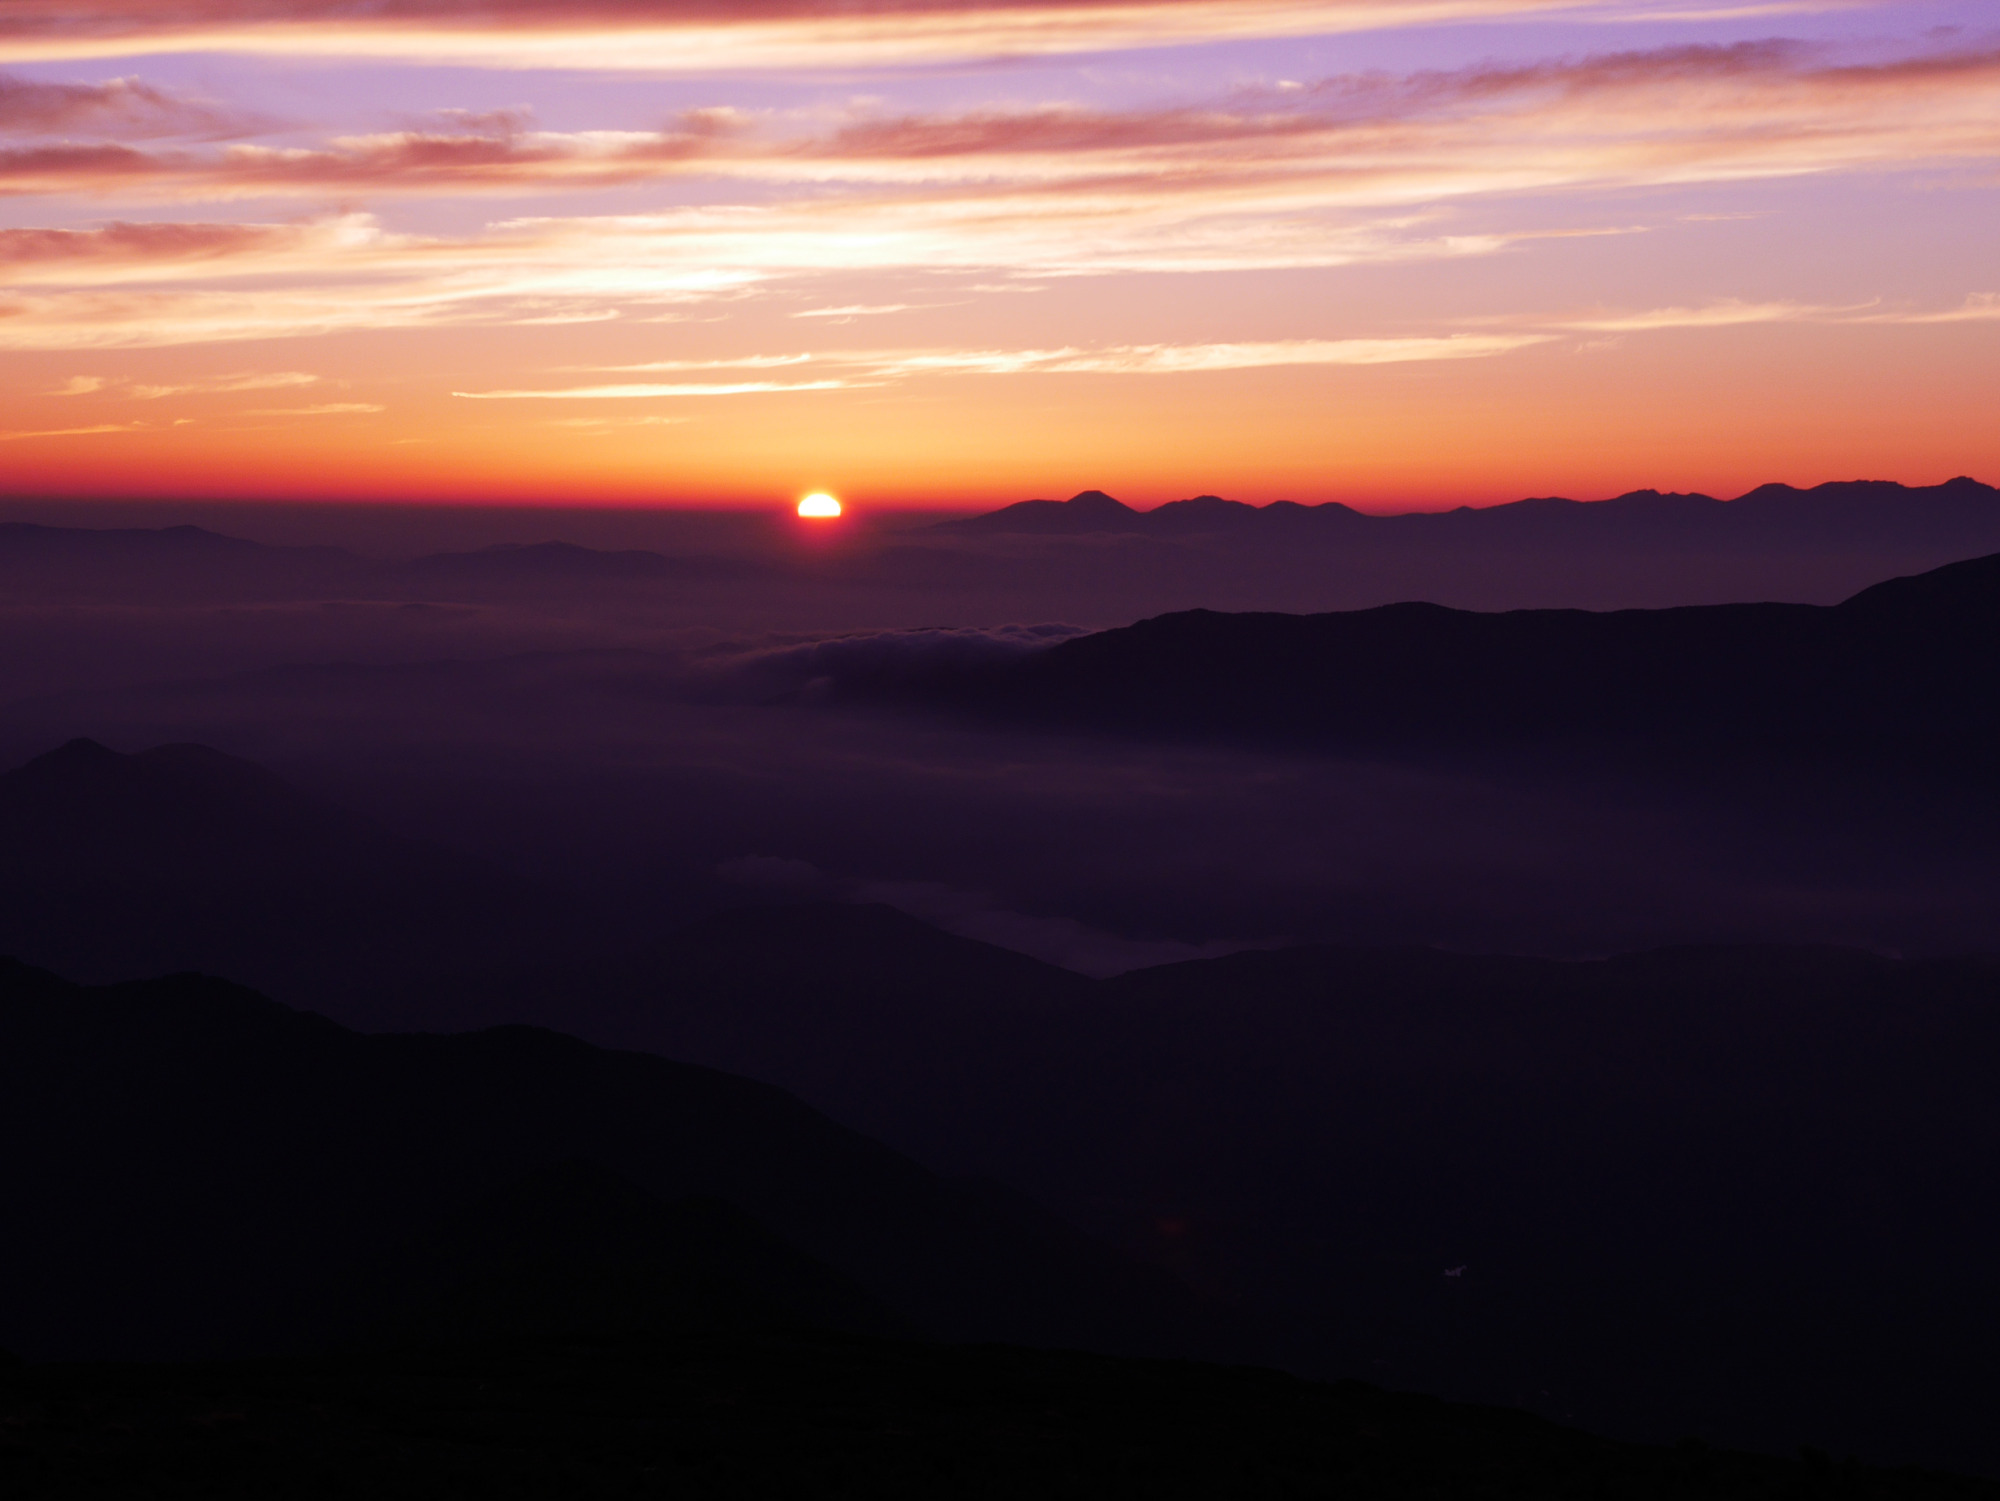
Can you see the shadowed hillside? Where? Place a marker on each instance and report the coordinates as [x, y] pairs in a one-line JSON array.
[[1898, 677], [115, 866], [1724, 1190], [209, 1172]]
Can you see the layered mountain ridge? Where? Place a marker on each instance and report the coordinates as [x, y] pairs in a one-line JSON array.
[[1899, 676], [1838, 508]]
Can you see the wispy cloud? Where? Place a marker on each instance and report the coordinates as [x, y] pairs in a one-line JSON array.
[[1980, 307], [647, 392], [1181, 359], [595, 424], [1734, 312], [253, 380], [321, 409], [74, 432], [1659, 116], [696, 36], [141, 252], [744, 362], [1356, 169], [497, 154], [1150, 359], [125, 108], [859, 310], [1727, 313], [221, 384]]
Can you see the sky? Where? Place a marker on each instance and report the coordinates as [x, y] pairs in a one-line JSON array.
[[1396, 253]]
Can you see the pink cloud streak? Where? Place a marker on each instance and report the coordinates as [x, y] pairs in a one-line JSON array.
[[1350, 169], [1666, 115], [701, 35], [121, 107]]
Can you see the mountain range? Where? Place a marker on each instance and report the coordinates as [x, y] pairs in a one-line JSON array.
[[1961, 512], [1612, 1192], [182, 561], [1720, 1191], [1775, 541], [1899, 676], [1729, 1189]]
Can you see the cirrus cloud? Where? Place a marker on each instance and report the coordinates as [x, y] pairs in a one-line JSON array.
[[1353, 169], [695, 36], [1642, 118], [1150, 359], [122, 107]]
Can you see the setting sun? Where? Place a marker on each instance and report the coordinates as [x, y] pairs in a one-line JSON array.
[[819, 505]]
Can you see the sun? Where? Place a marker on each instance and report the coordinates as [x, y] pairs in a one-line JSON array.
[[819, 504]]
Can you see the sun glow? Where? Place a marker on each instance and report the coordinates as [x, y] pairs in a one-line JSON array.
[[819, 505]]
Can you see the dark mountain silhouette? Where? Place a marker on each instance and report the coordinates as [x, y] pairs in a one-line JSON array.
[[572, 1250], [185, 562], [1960, 513], [115, 866], [1729, 1191], [1717, 1191], [193, 564], [207, 1171], [859, 1009], [24, 542], [1898, 676], [1084, 512], [566, 563], [1016, 564], [799, 1414]]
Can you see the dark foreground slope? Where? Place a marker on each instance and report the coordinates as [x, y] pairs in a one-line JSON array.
[[1901, 678], [809, 1415], [1740, 1192], [857, 1008], [194, 1169]]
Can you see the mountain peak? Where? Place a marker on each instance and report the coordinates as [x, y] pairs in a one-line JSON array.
[[92, 760], [78, 753], [1085, 511]]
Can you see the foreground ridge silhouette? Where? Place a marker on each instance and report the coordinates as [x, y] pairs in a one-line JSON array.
[[804, 1413], [206, 1172], [1732, 1192]]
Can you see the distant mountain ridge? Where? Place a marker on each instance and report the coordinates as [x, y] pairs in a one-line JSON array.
[[565, 562], [1840, 508], [1900, 676], [135, 562], [41, 559], [114, 866], [1090, 559]]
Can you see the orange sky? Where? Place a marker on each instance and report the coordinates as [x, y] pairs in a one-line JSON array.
[[1395, 254]]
